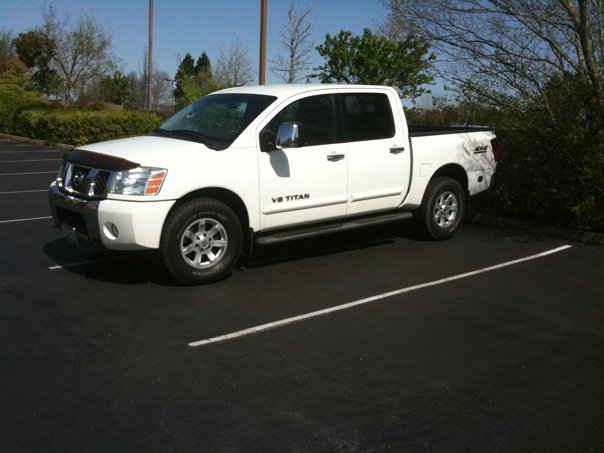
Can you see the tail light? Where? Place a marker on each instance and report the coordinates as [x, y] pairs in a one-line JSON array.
[[496, 151]]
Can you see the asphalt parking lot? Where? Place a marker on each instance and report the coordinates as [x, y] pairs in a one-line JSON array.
[[369, 341]]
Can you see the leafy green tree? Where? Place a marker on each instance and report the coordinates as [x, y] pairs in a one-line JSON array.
[[186, 69], [203, 67], [36, 50], [376, 60], [116, 88], [193, 80], [203, 77], [16, 91], [82, 53]]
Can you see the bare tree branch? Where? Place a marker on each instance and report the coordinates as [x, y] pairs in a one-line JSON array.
[[512, 46], [295, 39], [82, 54], [233, 68]]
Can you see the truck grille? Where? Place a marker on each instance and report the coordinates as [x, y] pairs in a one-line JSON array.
[[85, 181]]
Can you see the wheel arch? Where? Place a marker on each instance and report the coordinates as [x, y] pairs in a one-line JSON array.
[[456, 172], [228, 197]]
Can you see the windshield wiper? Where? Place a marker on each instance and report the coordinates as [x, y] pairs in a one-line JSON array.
[[210, 142], [197, 136], [161, 131]]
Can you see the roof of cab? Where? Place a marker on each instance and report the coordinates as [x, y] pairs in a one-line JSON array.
[[287, 90]]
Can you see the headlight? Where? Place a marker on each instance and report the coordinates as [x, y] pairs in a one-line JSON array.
[[138, 181]]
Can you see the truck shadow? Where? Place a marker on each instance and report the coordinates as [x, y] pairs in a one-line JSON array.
[[127, 268], [141, 268], [369, 237]]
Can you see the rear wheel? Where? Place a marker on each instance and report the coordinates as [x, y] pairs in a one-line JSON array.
[[201, 241], [442, 209]]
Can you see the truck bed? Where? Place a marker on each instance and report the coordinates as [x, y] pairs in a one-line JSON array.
[[422, 131]]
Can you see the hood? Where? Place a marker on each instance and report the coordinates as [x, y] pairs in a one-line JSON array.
[[149, 150]]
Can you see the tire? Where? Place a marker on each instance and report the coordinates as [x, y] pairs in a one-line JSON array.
[[201, 242], [442, 209]]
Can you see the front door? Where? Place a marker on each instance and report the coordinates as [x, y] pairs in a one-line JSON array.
[[308, 182]]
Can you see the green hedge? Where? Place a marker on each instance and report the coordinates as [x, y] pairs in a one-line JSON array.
[[13, 96], [78, 127], [555, 180]]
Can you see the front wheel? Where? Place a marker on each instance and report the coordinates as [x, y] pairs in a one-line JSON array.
[[442, 209], [201, 241]]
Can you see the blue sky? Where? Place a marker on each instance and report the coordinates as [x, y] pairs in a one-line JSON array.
[[194, 26]]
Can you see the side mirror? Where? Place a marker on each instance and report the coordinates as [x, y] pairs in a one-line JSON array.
[[288, 136]]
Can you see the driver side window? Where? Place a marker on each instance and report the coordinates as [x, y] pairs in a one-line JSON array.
[[314, 114]]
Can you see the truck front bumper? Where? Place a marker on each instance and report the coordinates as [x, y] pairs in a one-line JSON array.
[[113, 224]]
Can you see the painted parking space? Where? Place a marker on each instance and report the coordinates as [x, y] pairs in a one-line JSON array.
[[95, 345]]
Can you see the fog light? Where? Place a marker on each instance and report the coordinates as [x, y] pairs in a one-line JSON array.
[[111, 231]]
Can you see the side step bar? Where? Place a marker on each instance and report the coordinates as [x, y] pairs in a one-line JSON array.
[[319, 230]]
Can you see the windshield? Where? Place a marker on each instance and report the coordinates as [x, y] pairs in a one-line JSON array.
[[215, 120]]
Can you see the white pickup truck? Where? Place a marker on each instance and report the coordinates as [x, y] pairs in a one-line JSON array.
[[265, 164]]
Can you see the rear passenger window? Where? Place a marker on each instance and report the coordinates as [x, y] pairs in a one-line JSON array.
[[367, 116]]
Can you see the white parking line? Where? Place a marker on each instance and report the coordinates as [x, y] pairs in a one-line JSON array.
[[30, 173], [23, 191], [25, 220], [326, 311]]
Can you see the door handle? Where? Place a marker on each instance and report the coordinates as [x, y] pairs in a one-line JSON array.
[[397, 149], [333, 157]]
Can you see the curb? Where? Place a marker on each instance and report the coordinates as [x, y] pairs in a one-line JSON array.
[[505, 223], [16, 138]]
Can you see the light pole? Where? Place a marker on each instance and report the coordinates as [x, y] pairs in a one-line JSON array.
[[262, 68], [150, 58]]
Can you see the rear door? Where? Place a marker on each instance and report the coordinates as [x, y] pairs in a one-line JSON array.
[[378, 161]]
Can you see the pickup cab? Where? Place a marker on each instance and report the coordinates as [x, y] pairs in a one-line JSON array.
[[265, 164]]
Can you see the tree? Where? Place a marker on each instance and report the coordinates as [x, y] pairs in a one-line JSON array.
[[7, 46], [7, 50], [36, 50], [16, 91], [193, 80], [203, 82], [161, 88], [82, 53], [295, 39], [115, 88], [506, 51], [233, 68], [541, 64], [203, 68], [186, 69], [376, 60]]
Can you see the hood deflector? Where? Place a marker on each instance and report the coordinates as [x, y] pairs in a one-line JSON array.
[[98, 160]]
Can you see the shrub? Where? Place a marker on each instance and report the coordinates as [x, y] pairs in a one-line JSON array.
[[78, 127], [555, 181], [552, 172], [16, 92]]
